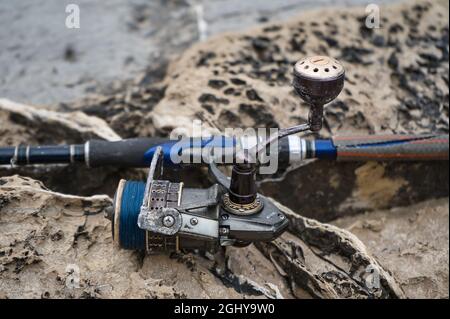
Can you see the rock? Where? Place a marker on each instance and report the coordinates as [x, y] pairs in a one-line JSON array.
[[60, 246], [262, 61], [327, 262], [399, 88], [251, 263], [31, 125], [217, 84], [411, 242], [355, 55], [210, 98], [128, 111], [53, 126], [83, 262], [328, 190]]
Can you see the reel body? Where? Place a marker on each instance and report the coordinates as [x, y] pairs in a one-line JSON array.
[[161, 216]]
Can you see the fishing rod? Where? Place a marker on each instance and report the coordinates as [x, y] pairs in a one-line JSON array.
[[291, 150], [163, 216]]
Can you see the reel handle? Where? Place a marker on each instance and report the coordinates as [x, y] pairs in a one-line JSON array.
[[318, 80]]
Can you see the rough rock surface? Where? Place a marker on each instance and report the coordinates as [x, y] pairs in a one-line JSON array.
[[397, 82], [418, 238], [24, 124], [54, 245], [397, 75], [18, 121]]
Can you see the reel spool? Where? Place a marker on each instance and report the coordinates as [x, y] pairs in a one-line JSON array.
[[126, 209], [126, 232]]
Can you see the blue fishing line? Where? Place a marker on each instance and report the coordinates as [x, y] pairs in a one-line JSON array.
[[386, 143], [130, 235]]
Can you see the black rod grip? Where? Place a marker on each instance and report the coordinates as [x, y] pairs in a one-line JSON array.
[[6, 154], [125, 153]]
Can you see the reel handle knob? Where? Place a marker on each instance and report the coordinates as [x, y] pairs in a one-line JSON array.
[[318, 80]]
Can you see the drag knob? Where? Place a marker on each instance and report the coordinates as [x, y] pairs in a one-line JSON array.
[[318, 80]]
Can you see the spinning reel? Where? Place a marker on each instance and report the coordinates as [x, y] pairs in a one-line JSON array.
[[161, 216]]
